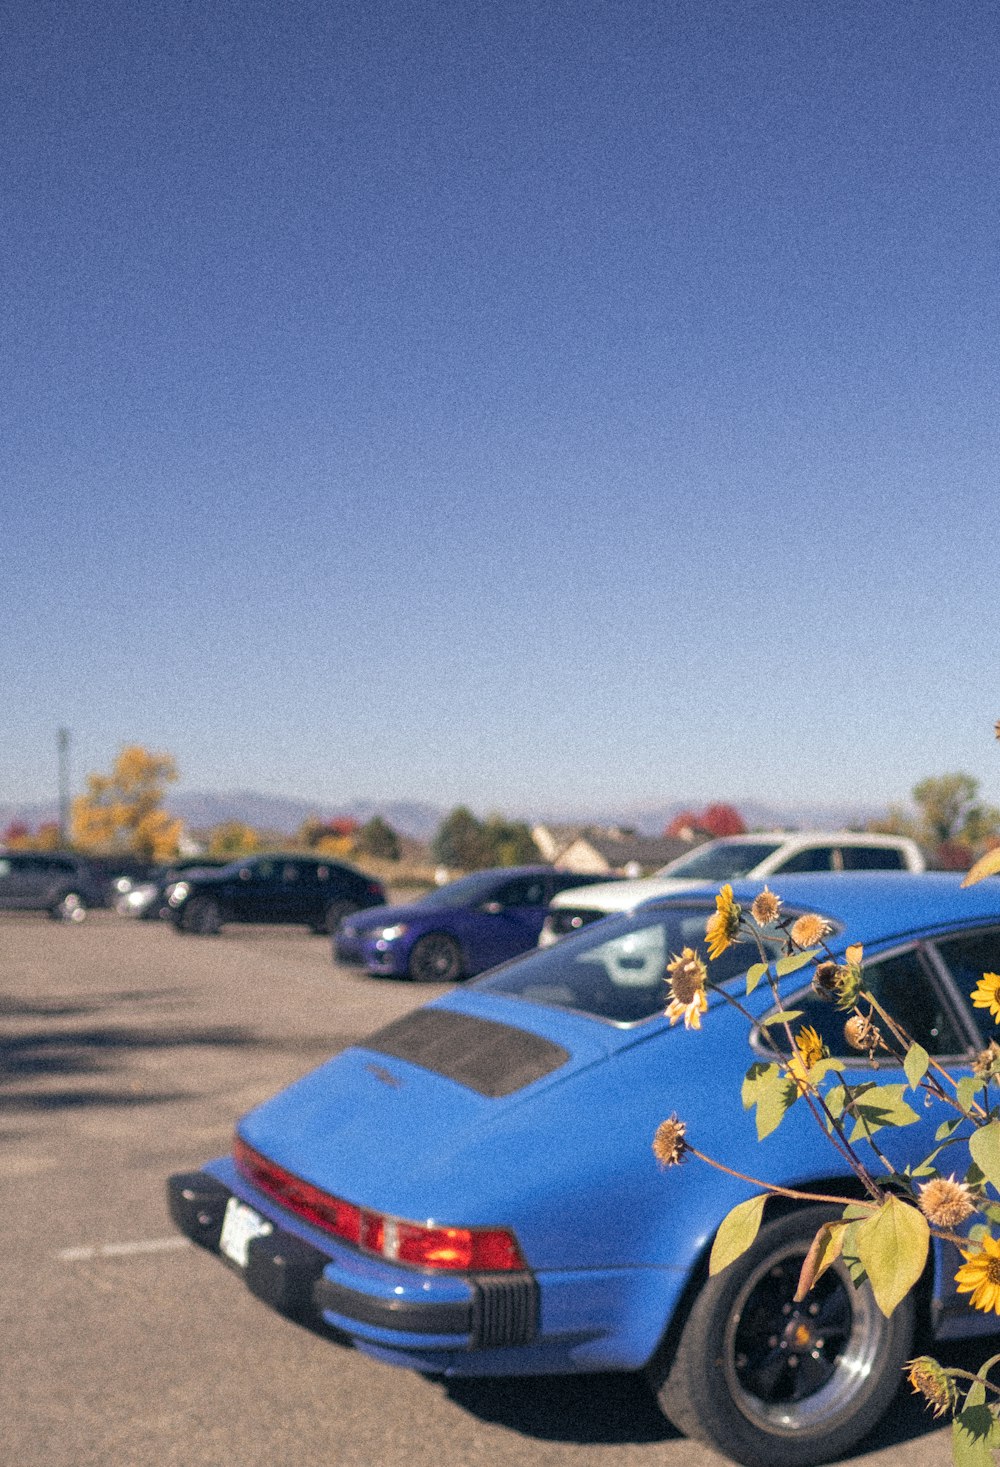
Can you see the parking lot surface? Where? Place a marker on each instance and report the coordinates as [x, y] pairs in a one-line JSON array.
[[126, 1053]]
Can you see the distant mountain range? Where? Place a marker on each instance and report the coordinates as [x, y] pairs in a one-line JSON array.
[[201, 809]]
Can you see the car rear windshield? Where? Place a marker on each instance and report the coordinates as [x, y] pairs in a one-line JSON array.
[[723, 862], [616, 969]]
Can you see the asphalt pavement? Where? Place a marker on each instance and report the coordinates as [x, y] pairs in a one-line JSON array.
[[126, 1053]]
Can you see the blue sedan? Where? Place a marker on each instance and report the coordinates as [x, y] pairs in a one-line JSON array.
[[471, 1191], [460, 928]]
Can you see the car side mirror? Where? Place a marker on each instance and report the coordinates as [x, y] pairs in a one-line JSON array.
[[493, 908]]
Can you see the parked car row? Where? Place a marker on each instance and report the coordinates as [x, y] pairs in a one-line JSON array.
[[472, 1190], [452, 933]]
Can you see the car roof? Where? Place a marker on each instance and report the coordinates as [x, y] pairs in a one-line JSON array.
[[871, 904]]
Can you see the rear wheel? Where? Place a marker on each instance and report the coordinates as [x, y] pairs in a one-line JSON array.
[[69, 908], [334, 915], [435, 958], [202, 916], [772, 1383]]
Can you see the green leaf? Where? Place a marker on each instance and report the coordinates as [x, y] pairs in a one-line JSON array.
[[892, 1245], [915, 1064], [781, 1016], [736, 1233], [759, 1074], [836, 1099], [878, 1106], [823, 1067], [965, 1091], [984, 1148], [987, 865], [795, 961], [947, 1128], [773, 1101], [823, 1250], [974, 1431], [755, 974]]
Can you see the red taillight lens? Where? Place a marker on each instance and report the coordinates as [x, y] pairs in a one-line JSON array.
[[327, 1212], [486, 1250], [466, 1249]]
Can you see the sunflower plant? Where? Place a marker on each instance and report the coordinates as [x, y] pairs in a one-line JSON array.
[[885, 1230]]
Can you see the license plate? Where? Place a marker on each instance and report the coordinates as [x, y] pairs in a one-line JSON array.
[[239, 1227]]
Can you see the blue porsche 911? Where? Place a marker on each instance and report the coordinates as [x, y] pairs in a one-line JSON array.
[[472, 1189]]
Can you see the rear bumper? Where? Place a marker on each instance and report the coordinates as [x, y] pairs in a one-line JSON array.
[[477, 1312]]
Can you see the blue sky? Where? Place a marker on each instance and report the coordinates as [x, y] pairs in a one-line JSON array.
[[549, 405]]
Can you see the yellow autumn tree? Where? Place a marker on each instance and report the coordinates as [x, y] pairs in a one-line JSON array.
[[122, 812], [233, 838]]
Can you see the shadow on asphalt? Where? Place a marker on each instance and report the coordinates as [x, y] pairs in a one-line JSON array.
[[52, 1066], [618, 1410]]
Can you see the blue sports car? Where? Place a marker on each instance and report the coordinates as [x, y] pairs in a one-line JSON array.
[[459, 929], [472, 1190]]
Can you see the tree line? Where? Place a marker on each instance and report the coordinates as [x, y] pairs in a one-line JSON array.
[[123, 813]]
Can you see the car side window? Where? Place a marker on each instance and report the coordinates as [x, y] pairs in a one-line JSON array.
[[906, 988], [814, 858], [967, 958], [5, 866], [263, 871], [870, 858], [526, 892]]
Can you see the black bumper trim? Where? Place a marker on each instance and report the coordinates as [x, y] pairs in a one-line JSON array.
[[197, 1204], [405, 1315], [286, 1272]]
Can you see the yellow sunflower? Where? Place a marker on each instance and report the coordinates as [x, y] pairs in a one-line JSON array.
[[724, 923], [980, 1275], [986, 995], [687, 989], [809, 1050]]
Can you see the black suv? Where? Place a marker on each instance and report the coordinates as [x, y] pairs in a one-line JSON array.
[[46, 881], [308, 889]]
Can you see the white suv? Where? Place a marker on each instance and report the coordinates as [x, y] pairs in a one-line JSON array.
[[724, 860]]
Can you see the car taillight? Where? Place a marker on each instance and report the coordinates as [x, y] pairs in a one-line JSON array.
[[376, 891], [472, 1250]]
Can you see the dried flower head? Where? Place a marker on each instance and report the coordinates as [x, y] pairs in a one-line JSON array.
[[766, 907], [979, 1275], [945, 1202], [825, 980], [669, 1146], [724, 923], [996, 728], [935, 1385], [986, 1065], [862, 1034], [687, 989], [986, 994], [807, 931]]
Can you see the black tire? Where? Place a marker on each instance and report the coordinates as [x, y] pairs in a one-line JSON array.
[[335, 914], [771, 1383], [202, 917], [436, 958], [69, 908]]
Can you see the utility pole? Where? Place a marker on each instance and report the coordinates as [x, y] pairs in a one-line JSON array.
[[62, 744]]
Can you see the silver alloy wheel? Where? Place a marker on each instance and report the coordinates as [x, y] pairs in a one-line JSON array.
[[435, 959], [793, 1367]]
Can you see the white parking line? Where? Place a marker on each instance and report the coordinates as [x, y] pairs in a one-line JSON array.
[[122, 1250]]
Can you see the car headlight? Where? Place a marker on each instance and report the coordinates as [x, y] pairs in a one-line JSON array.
[[389, 934], [177, 892]]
